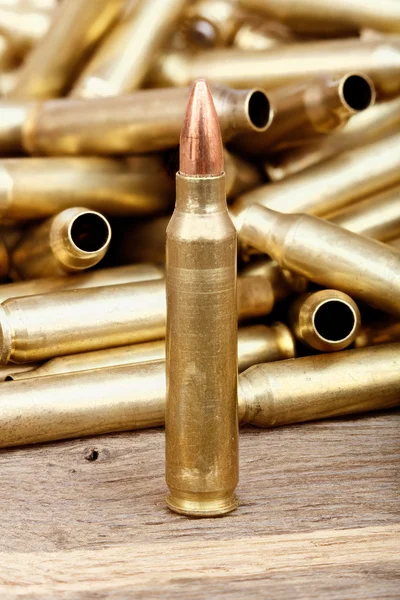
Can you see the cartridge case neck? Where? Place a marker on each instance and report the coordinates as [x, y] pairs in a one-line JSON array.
[[200, 195]]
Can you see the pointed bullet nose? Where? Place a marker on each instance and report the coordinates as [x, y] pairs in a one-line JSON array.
[[201, 151]]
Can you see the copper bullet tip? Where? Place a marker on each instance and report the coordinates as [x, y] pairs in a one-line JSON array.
[[201, 151]]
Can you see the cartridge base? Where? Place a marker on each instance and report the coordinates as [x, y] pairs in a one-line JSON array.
[[202, 505]]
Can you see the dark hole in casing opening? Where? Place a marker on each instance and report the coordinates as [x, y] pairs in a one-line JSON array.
[[334, 320], [89, 232], [357, 92], [259, 109]]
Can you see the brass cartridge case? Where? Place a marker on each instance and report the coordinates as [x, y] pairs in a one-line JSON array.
[[321, 386], [93, 279], [256, 343], [366, 269], [145, 121], [286, 64], [132, 396], [212, 23], [23, 27], [308, 110], [382, 331], [324, 189], [74, 240], [253, 35], [283, 282], [326, 320], [377, 216], [34, 188], [4, 260], [39, 327], [13, 115], [395, 243], [124, 58], [75, 29], [362, 129]]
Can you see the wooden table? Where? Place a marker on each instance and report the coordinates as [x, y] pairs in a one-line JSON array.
[[319, 518]]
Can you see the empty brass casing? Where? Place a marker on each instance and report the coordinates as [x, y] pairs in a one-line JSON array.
[[367, 269], [283, 282], [377, 216], [308, 110], [286, 64], [136, 123], [34, 188], [40, 327], [76, 28], [253, 35], [6, 54], [103, 277], [256, 343], [366, 127], [4, 259], [133, 396], [319, 15], [13, 116], [326, 320], [124, 58], [212, 23], [382, 331], [321, 386], [14, 371], [74, 240], [23, 27], [324, 189]]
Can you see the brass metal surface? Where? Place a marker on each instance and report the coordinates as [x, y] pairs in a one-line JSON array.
[[124, 58], [34, 188], [212, 23], [283, 282], [381, 331], [326, 320], [74, 240], [325, 253], [13, 115], [253, 35], [23, 26], [16, 370], [6, 53]]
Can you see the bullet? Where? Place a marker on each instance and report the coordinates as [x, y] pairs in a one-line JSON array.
[[308, 110], [286, 64], [23, 26], [124, 58], [92, 279], [39, 327], [284, 283], [130, 124], [366, 127], [75, 30], [365, 269], [201, 342], [35, 188], [381, 331], [325, 188], [377, 216], [212, 23], [72, 241], [256, 343], [253, 35], [326, 320], [132, 396]]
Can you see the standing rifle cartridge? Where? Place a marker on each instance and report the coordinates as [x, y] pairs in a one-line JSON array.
[[326, 320], [132, 396], [325, 188], [256, 343], [145, 121], [74, 240], [201, 343], [308, 110], [122, 61], [382, 331], [327, 254], [75, 30], [286, 64], [34, 188]]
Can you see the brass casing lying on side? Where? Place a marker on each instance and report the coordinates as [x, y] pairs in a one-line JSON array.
[[253, 35], [103, 277], [124, 58], [145, 121], [36, 328], [6, 53], [366, 127], [382, 331], [283, 282], [286, 64], [395, 243], [34, 188], [75, 29], [133, 396], [326, 320], [377, 217], [365, 269], [308, 110], [74, 240], [201, 423], [212, 23], [23, 27], [14, 114], [256, 343], [325, 188]]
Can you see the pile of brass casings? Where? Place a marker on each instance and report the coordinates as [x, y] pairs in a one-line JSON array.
[[93, 96]]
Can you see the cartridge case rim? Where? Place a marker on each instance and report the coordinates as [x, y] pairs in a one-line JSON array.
[[344, 341], [203, 508]]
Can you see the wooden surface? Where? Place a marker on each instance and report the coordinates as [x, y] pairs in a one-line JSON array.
[[319, 518]]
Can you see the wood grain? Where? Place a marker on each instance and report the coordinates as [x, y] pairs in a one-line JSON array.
[[319, 518]]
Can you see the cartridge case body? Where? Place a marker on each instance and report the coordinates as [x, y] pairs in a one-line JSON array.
[[381, 331], [326, 320], [122, 61], [41, 187], [366, 269], [201, 411], [14, 114], [212, 23], [75, 30], [283, 282], [23, 27]]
